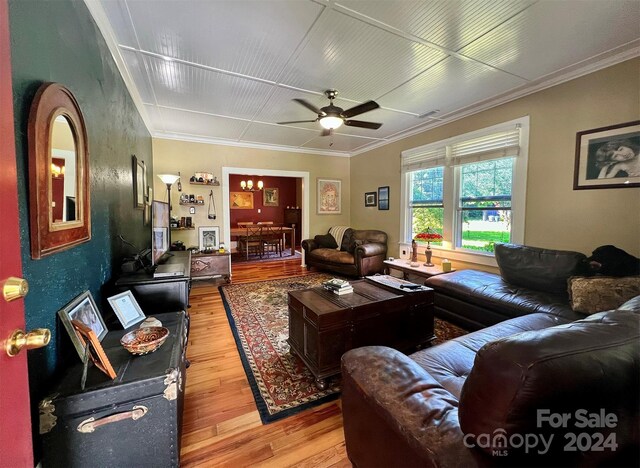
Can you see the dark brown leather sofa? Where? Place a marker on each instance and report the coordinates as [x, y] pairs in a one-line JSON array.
[[366, 258], [531, 280], [475, 400]]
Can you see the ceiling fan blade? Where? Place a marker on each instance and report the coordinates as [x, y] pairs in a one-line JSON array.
[[326, 132], [308, 105], [295, 121], [360, 109], [362, 124]]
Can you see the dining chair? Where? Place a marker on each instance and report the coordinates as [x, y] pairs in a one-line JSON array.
[[272, 239], [251, 241]]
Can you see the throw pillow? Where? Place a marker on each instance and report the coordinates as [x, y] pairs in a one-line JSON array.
[[355, 243], [346, 240], [600, 293], [540, 269], [325, 241]]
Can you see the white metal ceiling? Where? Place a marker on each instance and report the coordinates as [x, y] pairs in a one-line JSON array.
[[227, 71]]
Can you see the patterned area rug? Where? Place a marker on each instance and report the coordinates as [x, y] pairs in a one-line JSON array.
[[258, 316]]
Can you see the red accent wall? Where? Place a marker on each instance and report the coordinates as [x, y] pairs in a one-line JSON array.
[[287, 186]]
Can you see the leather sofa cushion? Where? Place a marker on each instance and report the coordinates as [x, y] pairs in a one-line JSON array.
[[450, 362], [369, 236], [539, 269], [332, 256], [492, 292], [588, 364], [600, 293]]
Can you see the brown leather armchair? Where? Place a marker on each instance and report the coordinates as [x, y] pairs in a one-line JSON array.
[[362, 255], [467, 401]]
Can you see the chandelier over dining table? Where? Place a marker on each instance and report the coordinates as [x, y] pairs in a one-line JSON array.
[[249, 187]]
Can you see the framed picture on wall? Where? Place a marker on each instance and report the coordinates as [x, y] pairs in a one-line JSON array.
[[383, 198], [370, 199], [329, 196], [241, 200], [139, 183], [271, 197], [608, 157]]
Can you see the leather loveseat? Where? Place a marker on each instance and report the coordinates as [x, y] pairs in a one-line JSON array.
[[496, 396], [531, 280], [362, 253]]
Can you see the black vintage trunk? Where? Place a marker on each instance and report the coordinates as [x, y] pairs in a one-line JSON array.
[[149, 386]]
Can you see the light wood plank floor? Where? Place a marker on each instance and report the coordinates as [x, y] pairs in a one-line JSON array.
[[221, 423]]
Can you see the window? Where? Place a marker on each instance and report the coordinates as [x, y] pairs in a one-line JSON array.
[[469, 188]]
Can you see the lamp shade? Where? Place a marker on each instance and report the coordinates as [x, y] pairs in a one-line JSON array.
[[331, 122], [168, 179]]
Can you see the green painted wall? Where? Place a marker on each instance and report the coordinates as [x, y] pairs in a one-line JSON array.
[[58, 41]]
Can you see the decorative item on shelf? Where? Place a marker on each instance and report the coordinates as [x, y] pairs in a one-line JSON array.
[[248, 185], [174, 223], [414, 253], [429, 237], [189, 222], [204, 178], [200, 200], [192, 198], [178, 245], [184, 198], [221, 248], [446, 265], [144, 340]]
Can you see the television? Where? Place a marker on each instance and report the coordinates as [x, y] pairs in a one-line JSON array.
[[159, 231]]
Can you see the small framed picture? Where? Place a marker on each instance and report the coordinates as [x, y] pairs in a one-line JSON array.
[[192, 210], [329, 196], [83, 309], [383, 198], [608, 157], [271, 197], [126, 308], [89, 340], [139, 183], [370, 199], [209, 238]]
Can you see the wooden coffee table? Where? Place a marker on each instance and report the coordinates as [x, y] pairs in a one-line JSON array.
[[407, 270], [323, 325]]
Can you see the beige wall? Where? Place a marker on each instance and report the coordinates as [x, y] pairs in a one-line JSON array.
[[171, 156], [556, 215]]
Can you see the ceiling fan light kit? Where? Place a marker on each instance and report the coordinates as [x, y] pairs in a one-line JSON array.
[[332, 117]]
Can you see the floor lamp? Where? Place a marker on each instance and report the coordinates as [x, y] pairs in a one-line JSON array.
[[169, 180]]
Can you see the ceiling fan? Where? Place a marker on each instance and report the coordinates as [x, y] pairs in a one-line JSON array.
[[332, 117]]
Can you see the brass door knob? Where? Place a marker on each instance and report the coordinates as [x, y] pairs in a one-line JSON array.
[[37, 338], [14, 288]]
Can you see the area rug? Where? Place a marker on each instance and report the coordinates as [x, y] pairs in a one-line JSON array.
[[237, 257], [280, 382]]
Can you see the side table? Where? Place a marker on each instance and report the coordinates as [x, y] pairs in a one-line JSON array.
[[211, 265], [407, 270]]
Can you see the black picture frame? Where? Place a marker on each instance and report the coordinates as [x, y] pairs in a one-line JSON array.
[[139, 173], [383, 198], [608, 157], [370, 199]]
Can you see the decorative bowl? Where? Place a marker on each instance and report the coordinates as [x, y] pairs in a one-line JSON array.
[[144, 340]]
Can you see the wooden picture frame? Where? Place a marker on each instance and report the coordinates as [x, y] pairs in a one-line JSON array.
[[271, 197], [241, 200], [97, 355], [139, 171], [126, 309], [370, 199], [608, 157], [383, 198], [208, 238], [329, 196], [83, 309]]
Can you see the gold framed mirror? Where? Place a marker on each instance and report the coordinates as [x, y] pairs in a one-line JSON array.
[[59, 211]]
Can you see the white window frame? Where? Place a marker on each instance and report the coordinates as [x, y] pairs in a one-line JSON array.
[[451, 196]]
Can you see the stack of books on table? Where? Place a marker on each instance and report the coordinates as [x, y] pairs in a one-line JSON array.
[[338, 286]]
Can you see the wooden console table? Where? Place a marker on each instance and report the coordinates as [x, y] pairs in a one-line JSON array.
[[211, 265], [323, 325]]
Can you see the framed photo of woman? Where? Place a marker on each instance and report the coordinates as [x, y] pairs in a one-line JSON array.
[[608, 157], [83, 309]]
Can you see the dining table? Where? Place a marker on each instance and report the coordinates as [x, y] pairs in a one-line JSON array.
[[242, 231]]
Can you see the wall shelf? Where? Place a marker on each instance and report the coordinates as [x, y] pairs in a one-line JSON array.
[[183, 228], [192, 204], [210, 184]]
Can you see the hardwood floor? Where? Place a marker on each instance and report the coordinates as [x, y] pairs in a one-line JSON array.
[[221, 423]]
